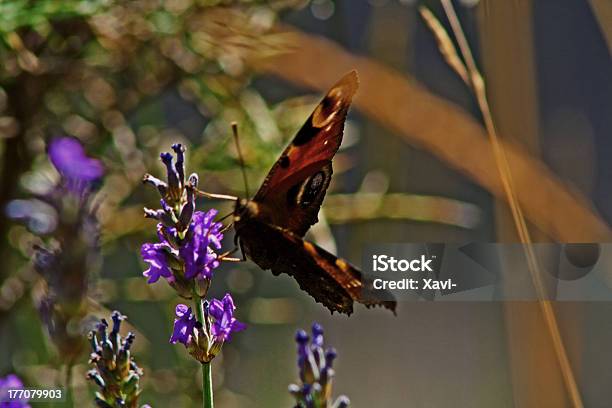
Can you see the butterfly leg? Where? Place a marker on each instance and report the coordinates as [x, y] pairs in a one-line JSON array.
[[226, 228], [244, 258], [226, 256], [230, 259], [225, 216]]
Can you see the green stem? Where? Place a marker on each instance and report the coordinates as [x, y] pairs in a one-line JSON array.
[[68, 385], [207, 389], [207, 392]]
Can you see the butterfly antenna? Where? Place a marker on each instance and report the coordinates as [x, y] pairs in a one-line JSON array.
[[237, 141], [214, 196]]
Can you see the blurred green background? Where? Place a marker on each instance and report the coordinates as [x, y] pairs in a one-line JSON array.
[[129, 78]]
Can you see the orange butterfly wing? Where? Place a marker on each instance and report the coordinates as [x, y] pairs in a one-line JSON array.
[[294, 188], [330, 280]]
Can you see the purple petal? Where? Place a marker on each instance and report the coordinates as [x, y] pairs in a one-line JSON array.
[[11, 382], [228, 302], [182, 310], [155, 255], [184, 325], [68, 157], [238, 326], [216, 309]]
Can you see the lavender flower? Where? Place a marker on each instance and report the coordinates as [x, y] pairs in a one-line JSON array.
[[315, 366], [65, 219], [77, 170], [188, 239], [115, 372], [204, 340], [11, 382]]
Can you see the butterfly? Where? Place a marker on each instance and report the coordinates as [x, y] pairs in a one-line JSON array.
[[270, 227]]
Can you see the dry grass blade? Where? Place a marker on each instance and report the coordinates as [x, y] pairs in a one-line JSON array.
[[603, 13], [445, 44], [501, 160]]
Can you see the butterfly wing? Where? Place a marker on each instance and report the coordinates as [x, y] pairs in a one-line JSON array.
[[331, 281], [294, 188]]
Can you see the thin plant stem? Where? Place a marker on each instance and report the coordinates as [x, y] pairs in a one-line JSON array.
[[207, 393], [68, 385], [67, 381], [478, 86], [207, 389]]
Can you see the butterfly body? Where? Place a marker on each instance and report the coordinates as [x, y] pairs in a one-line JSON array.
[[271, 226]]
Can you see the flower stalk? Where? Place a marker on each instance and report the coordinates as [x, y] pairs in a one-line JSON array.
[[207, 387], [207, 393], [207, 390]]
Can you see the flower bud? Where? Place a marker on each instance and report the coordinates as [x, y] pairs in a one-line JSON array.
[[159, 215], [123, 357], [341, 402], [104, 343], [174, 186], [187, 210], [193, 180], [161, 186], [180, 162], [295, 390], [101, 403], [130, 386], [114, 334], [95, 377]]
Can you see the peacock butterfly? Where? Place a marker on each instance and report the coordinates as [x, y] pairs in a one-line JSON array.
[[270, 226]]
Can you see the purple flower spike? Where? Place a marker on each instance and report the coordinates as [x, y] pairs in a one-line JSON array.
[[315, 371], [11, 382], [199, 257], [330, 356], [68, 157], [155, 255], [225, 323], [114, 370], [183, 325]]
